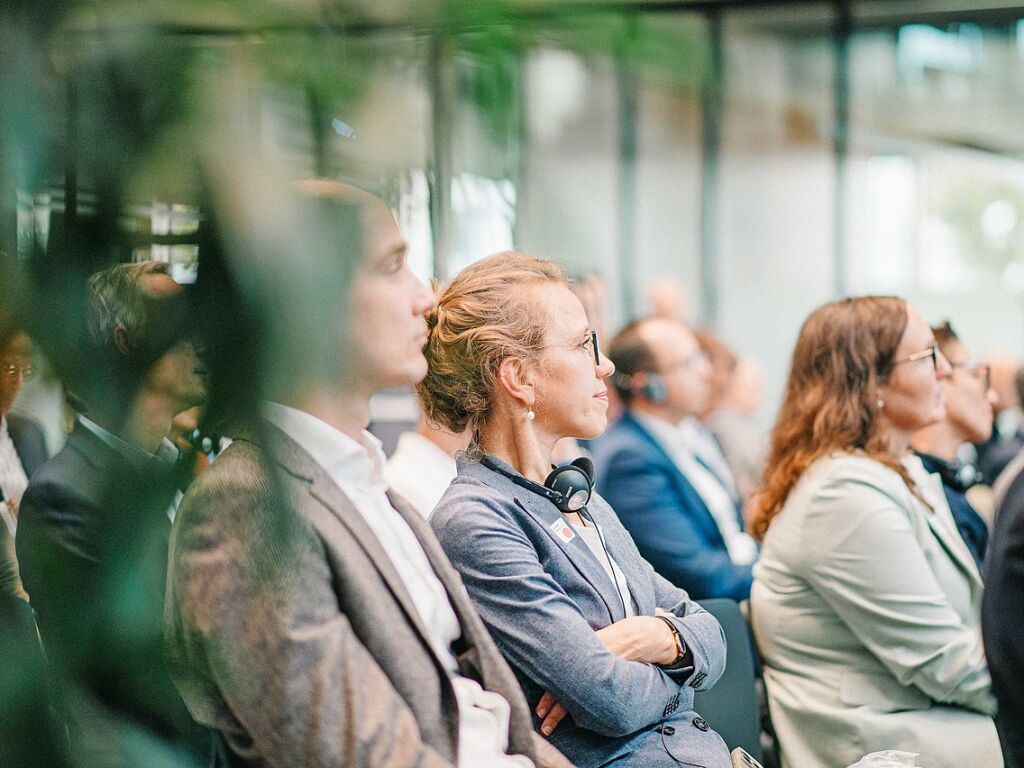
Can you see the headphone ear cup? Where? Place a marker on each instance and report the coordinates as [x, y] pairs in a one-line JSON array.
[[572, 484], [654, 388]]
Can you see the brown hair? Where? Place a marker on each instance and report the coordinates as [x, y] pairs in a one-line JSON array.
[[483, 315], [845, 349], [945, 337]]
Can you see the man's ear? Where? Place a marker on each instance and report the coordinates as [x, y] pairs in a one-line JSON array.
[[122, 341], [516, 378]]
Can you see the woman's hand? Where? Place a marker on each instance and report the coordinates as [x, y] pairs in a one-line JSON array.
[[640, 638], [552, 713]]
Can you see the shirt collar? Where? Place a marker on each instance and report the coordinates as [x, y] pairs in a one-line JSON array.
[[165, 455], [359, 463], [666, 433]]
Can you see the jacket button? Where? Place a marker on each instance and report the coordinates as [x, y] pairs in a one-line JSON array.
[[700, 724], [666, 730]]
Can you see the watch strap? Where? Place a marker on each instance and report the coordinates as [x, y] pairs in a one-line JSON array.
[[680, 645]]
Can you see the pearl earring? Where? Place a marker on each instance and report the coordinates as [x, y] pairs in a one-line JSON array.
[[530, 414], [881, 403]]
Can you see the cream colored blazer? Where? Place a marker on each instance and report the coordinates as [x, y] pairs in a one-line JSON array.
[[866, 608]]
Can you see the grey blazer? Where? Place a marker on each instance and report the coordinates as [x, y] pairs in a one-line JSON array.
[[866, 608], [290, 632], [543, 598]]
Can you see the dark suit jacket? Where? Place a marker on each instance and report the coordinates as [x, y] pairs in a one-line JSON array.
[[1003, 621], [92, 546], [29, 442], [664, 514], [291, 632]]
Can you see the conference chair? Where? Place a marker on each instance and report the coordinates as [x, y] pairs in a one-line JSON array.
[[731, 706]]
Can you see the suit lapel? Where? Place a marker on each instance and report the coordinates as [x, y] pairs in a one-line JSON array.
[[548, 517], [625, 555], [298, 463], [442, 567], [942, 525], [707, 521]]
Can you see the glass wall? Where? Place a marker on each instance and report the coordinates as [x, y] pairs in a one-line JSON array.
[[753, 162]]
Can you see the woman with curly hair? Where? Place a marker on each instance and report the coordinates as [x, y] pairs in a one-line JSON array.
[[866, 603]]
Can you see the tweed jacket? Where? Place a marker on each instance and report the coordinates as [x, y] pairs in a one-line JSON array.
[[291, 633], [544, 594], [866, 608]]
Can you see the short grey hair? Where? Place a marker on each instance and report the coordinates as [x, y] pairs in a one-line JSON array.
[[116, 298]]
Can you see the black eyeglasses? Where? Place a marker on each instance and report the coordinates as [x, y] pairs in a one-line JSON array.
[[981, 371], [592, 341], [932, 352]]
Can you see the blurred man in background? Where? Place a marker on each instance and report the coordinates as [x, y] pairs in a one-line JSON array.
[[684, 519], [1007, 439], [969, 409], [22, 449], [94, 522]]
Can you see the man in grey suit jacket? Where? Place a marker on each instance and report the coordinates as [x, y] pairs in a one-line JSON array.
[[313, 619]]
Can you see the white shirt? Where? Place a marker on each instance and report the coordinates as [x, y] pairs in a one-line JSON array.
[[13, 480], [705, 445], [741, 547], [358, 470], [419, 472], [589, 534]]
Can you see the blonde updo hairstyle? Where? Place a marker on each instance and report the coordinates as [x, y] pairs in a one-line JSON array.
[[485, 314]]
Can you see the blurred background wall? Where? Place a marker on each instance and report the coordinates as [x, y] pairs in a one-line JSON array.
[[753, 159]]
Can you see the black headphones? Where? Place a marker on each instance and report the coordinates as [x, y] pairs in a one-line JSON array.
[[646, 384], [960, 477], [568, 487]]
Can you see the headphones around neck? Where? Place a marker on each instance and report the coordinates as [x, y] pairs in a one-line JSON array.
[[567, 487], [647, 384], [960, 477]]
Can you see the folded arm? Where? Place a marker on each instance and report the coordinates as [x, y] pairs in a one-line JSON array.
[[542, 631]]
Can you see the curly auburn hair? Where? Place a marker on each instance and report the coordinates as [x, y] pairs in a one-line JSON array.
[[845, 349], [483, 315]]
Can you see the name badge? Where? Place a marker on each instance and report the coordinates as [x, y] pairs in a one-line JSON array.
[[563, 530]]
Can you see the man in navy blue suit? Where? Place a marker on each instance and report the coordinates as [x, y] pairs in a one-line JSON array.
[[682, 516]]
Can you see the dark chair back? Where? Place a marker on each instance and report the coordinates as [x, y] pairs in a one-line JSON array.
[[731, 707]]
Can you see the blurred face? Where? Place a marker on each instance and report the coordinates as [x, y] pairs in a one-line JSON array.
[[572, 397], [682, 365], [15, 362], [388, 327], [969, 396], [913, 395], [177, 374]]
